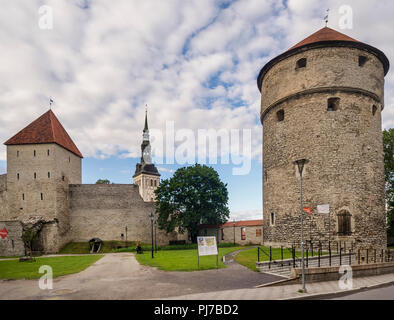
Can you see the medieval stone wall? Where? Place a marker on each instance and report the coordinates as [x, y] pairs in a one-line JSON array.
[[38, 176], [12, 245], [3, 197], [103, 211], [344, 147], [325, 68]]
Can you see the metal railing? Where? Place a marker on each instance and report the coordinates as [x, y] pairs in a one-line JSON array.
[[344, 251]]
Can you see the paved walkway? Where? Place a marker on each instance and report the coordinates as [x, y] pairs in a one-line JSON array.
[[120, 276], [318, 290]]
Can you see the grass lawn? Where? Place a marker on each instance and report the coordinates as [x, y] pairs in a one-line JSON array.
[[13, 269], [182, 260], [248, 258]]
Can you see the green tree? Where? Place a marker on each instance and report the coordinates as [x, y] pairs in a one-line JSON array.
[[101, 181], [192, 196], [388, 148]]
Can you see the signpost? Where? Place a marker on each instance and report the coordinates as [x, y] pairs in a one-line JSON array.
[[325, 209], [207, 247]]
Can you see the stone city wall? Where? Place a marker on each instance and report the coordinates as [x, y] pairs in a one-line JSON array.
[[103, 211]]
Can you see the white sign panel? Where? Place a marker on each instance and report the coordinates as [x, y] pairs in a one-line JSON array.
[[207, 246], [323, 208]]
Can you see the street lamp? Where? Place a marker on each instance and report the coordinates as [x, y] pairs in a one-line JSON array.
[[155, 236], [152, 217], [126, 237], [300, 163], [234, 230]]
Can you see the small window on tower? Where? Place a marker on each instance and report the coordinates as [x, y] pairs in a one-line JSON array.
[[155, 183], [280, 115], [63, 178], [301, 63], [151, 182], [17, 153], [49, 175], [333, 104], [17, 176], [69, 159], [362, 60], [272, 218], [35, 175], [42, 196], [34, 152], [48, 152], [23, 196], [374, 109]]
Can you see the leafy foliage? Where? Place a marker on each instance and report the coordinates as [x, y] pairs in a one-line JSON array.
[[388, 147], [103, 181], [192, 196]]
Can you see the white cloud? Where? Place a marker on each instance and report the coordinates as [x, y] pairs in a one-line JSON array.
[[189, 60], [246, 215]]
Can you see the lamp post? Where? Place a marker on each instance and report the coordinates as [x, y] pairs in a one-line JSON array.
[[126, 237], [300, 163], [234, 230], [152, 217], [155, 236]]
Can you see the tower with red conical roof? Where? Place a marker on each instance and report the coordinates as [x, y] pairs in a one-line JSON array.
[[42, 161], [322, 100]]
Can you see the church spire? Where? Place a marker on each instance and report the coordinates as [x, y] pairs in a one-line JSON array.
[[146, 119], [145, 134]]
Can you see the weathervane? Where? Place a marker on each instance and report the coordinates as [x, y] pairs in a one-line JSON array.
[[50, 103], [326, 17]]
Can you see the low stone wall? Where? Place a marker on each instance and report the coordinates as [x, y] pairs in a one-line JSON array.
[[332, 273], [12, 244]]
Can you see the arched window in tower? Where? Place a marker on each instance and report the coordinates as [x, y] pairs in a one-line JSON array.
[[155, 183], [374, 109], [280, 115], [344, 223], [362, 60], [333, 104], [151, 182], [301, 63]]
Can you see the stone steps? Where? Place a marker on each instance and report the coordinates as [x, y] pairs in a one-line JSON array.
[[284, 268]]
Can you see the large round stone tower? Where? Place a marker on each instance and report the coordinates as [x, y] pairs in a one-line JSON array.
[[322, 101]]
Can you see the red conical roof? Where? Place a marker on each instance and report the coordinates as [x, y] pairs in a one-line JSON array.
[[324, 34], [325, 37], [46, 129]]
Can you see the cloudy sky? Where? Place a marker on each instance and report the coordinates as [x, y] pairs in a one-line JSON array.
[[193, 62]]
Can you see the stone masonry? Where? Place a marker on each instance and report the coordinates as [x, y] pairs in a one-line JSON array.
[[344, 146], [42, 189]]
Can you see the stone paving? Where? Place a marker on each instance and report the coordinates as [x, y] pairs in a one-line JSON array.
[[314, 290]]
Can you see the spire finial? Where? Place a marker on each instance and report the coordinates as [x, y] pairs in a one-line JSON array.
[[50, 103], [326, 17]]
